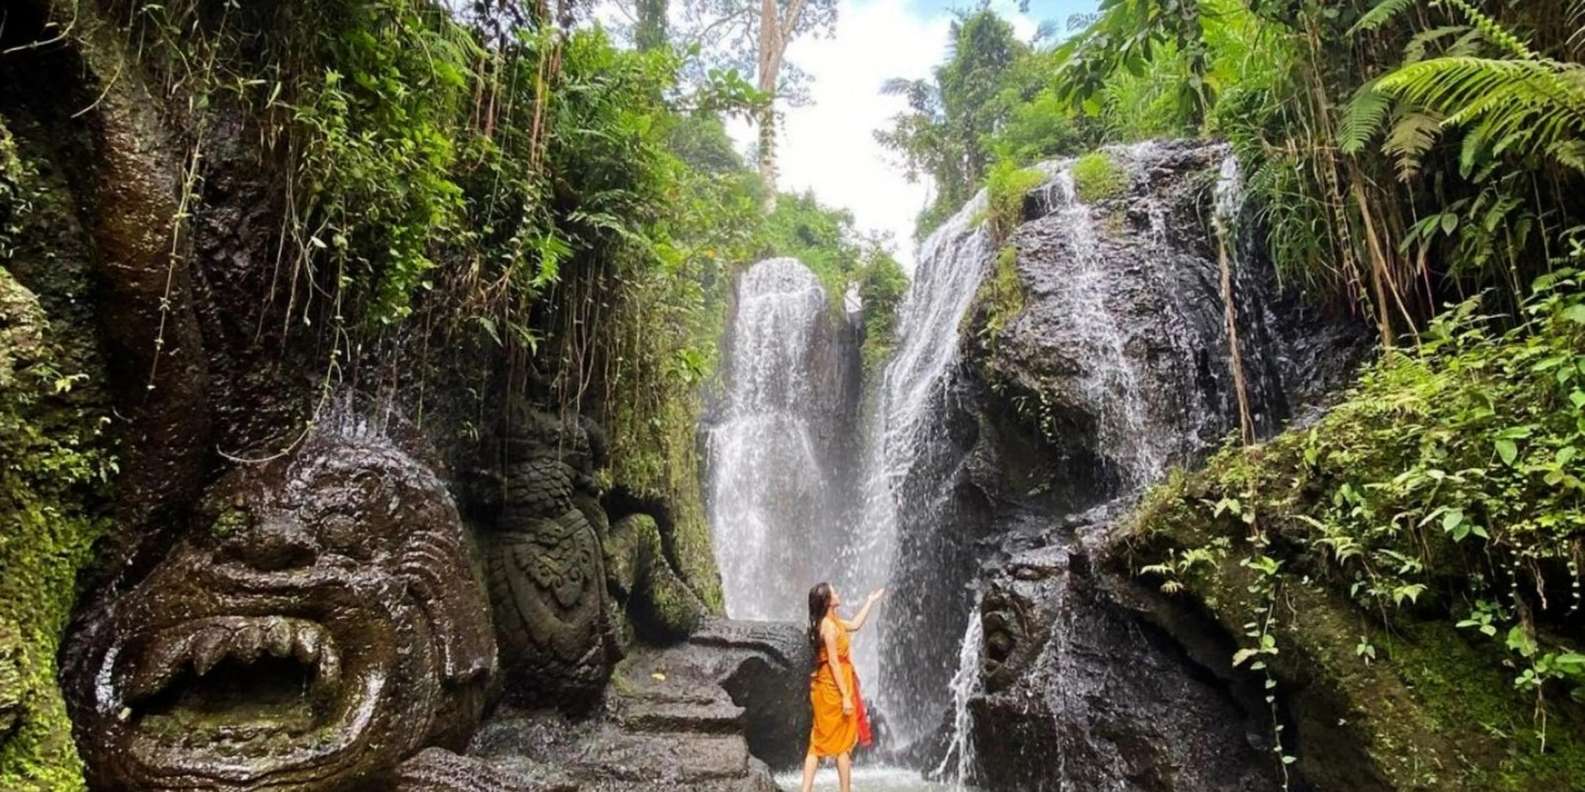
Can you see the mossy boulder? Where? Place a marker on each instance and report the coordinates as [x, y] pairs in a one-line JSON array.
[[1402, 569], [660, 607], [54, 460]]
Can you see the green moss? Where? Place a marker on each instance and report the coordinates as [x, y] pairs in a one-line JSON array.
[[53, 465], [1096, 177], [1003, 292], [1442, 482], [1005, 188], [1463, 691], [229, 522]]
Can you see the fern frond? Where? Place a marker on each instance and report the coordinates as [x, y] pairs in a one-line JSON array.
[[1494, 31], [1411, 137], [1512, 106], [1570, 153], [1415, 50], [1380, 14], [1468, 88], [1576, 18], [1365, 114]]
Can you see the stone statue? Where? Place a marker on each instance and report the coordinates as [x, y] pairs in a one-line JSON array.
[[535, 501], [317, 623]]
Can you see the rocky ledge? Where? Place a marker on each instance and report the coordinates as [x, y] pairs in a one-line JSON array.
[[706, 714]]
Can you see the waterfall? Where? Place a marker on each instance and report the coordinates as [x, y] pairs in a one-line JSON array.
[[905, 442], [774, 454], [1111, 379], [1118, 330], [965, 684]]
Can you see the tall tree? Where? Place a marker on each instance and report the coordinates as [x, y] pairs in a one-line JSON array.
[[650, 29], [755, 33], [945, 131]]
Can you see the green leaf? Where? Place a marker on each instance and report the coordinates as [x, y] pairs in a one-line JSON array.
[[1575, 313], [1507, 450], [1519, 641]]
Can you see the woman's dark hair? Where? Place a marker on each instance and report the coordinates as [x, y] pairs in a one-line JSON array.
[[819, 603]]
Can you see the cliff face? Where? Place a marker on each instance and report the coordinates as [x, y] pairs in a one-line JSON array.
[[1110, 367], [1376, 594], [272, 441]]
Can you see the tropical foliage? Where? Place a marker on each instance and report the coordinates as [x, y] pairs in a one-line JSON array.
[[1402, 154], [1443, 495]]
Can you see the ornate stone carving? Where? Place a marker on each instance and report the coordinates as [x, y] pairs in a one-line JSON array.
[[542, 558], [317, 623]]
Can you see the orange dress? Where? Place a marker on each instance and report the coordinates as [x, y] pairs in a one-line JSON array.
[[834, 733]]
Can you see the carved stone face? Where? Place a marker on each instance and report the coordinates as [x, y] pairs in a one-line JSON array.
[[1016, 612], [318, 623]]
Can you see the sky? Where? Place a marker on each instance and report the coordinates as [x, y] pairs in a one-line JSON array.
[[828, 145]]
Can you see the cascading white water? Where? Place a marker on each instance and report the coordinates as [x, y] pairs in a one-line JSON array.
[[785, 516], [1229, 190], [770, 493], [1111, 380], [902, 430], [966, 683]]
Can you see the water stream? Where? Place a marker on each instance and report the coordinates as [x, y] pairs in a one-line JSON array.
[[772, 498], [787, 513]]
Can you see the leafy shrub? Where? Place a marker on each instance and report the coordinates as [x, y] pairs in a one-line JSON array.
[[1005, 189], [882, 285], [1447, 484], [1096, 177]]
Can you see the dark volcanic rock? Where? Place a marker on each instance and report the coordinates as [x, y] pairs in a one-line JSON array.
[[765, 667], [1119, 358], [1112, 368], [669, 721], [1077, 666]]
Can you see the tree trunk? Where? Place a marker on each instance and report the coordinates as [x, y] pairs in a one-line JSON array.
[[771, 45], [651, 30], [1235, 356]]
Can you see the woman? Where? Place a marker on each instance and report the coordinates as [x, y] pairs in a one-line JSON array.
[[839, 717]]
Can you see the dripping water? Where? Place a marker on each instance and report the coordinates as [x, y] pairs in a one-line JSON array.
[[958, 761]]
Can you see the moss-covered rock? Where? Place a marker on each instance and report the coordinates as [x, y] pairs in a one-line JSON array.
[[660, 606], [1096, 177], [1403, 569], [53, 462]]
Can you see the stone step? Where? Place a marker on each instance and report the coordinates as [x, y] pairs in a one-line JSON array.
[[679, 759], [649, 715]]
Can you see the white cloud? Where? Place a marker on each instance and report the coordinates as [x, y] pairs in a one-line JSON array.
[[828, 146]]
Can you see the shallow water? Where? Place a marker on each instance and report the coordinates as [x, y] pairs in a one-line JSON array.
[[870, 779]]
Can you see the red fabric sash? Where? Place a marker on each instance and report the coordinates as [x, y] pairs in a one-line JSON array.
[[865, 737]]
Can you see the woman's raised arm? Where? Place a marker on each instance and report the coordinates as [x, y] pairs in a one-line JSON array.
[[864, 612]]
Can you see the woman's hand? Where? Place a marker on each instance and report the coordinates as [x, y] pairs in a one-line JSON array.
[[864, 612], [847, 705]]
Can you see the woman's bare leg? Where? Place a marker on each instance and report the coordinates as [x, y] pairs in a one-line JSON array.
[[810, 763], [845, 771]]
